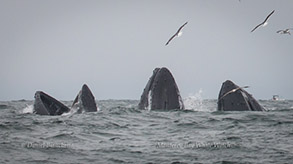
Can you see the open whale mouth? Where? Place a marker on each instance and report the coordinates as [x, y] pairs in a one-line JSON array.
[[47, 105]]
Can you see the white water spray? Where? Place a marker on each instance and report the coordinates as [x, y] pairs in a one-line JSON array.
[[194, 101]]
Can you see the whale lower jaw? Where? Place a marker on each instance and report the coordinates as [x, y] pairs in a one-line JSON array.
[[47, 105]]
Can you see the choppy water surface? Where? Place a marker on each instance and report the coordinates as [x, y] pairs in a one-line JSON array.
[[120, 133]]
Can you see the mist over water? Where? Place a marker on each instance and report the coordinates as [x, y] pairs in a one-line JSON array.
[[120, 133]]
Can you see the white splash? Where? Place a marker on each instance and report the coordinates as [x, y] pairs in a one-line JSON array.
[[67, 113], [73, 110], [194, 101], [28, 109]]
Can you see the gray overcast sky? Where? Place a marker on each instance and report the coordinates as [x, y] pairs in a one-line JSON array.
[[113, 46]]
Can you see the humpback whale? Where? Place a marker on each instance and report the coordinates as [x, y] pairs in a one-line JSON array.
[[161, 92], [85, 101], [235, 98], [47, 105]]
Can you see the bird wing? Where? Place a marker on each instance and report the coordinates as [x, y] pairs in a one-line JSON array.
[[269, 16], [227, 94], [181, 27], [279, 31], [256, 27], [233, 90], [170, 39]]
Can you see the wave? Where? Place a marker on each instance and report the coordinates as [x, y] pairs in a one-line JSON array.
[[3, 106]]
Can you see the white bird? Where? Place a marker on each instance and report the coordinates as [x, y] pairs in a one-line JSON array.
[[286, 31], [233, 90], [264, 23], [178, 33]]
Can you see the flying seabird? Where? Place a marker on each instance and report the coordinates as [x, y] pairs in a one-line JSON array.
[[233, 90], [265, 22], [178, 33], [286, 31]]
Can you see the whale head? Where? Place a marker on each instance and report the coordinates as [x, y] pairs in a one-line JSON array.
[[237, 99], [161, 92]]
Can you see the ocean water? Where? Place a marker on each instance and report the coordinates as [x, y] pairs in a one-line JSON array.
[[120, 133]]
